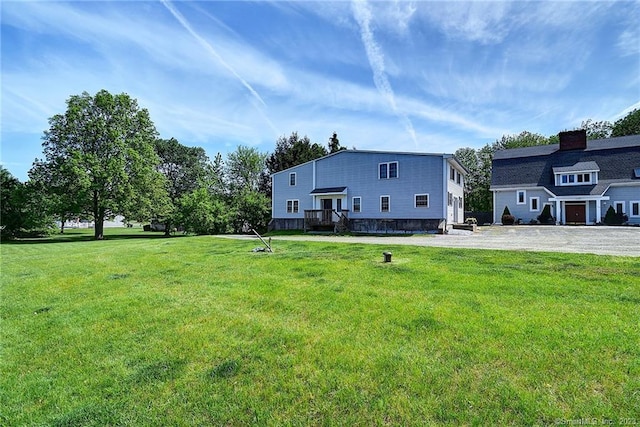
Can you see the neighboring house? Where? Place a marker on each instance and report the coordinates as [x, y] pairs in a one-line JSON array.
[[579, 179], [370, 191]]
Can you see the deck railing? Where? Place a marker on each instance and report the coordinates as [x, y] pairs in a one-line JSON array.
[[323, 218]]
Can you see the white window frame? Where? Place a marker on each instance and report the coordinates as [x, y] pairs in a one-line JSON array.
[[615, 206], [388, 203], [415, 201], [631, 203], [353, 204], [572, 178], [537, 200], [387, 169], [449, 199], [524, 197], [293, 175], [295, 206]]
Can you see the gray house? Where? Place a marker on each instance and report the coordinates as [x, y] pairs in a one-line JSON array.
[[579, 179], [370, 191]]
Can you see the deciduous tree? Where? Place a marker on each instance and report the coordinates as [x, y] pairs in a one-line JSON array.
[[628, 125], [104, 144], [184, 168]]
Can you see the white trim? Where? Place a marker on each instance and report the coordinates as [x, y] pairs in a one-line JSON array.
[[388, 203], [295, 179], [387, 166], [353, 209], [631, 203], [524, 197], [531, 199], [295, 206], [621, 202], [415, 202]]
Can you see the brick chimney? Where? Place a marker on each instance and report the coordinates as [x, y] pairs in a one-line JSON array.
[[573, 140]]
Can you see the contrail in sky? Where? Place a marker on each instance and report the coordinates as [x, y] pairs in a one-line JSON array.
[[210, 49], [362, 13]]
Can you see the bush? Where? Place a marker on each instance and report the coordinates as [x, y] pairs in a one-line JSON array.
[[507, 218], [545, 217], [614, 218]]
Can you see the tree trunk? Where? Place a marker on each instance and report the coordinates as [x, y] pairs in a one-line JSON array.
[[167, 228], [62, 224], [98, 218]]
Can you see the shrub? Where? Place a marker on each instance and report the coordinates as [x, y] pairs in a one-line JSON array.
[[614, 218], [507, 218], [545, 217]]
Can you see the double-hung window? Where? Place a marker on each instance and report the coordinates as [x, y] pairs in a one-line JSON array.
[[292, 206], [635, 208], [385, 203], [357, 204], [521, 197], [534, 204], [388, 170], [421, 200]]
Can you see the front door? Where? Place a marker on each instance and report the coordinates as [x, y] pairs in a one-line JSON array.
[[576, 214], [327, 206]]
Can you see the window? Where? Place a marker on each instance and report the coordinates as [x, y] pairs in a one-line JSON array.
[[521, 198], [393, 170], [292, 206], [421, 200], [383, 171], [452, 173], [292, 178], [575, 179], [458, 178], [388, 170], [385, 203], [534, 204], [339, 205], [619, 207], [357, 204], [635, 208]]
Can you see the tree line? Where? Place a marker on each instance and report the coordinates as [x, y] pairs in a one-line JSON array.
[[478, 197], [103, 157]]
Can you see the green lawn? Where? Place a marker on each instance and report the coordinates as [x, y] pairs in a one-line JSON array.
[[188, 331]]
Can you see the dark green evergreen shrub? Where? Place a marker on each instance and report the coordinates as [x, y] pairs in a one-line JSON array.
[[545, 217], [507, 218]]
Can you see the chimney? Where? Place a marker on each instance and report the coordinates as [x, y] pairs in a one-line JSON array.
[[573, 140]]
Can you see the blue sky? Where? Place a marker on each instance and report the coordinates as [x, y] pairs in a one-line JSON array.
[[426, 76]]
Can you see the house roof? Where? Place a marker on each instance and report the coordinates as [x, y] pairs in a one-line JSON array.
[[329, 190], [578, 167], [592, 145], [614, 158]]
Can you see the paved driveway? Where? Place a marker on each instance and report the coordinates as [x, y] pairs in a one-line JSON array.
[[591, 239]]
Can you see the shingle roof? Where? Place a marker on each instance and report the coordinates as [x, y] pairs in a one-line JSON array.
[[616, 159], [578, 167], [329, 190]]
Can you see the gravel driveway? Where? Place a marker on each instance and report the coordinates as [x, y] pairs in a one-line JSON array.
[[591, 239]]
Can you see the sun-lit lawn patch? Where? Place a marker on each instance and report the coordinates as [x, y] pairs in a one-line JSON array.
[[202, 331]]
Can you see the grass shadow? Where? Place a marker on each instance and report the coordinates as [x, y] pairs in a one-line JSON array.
[[87, 236]]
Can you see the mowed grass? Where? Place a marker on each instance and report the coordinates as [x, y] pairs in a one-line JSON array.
[[202, 331]]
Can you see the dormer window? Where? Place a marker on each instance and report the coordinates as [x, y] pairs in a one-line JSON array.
[[583, 173]]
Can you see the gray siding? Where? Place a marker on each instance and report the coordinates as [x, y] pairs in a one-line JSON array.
[[358, 171], [625, 194], [521, 212], [282, 191]]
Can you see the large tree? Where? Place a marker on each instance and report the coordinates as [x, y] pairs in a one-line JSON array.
[[243, 171], [597, 130], [104, 145], [21, 208], [185, 169], [290, 151], [628, 125]]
